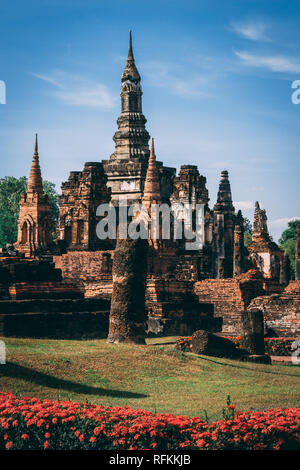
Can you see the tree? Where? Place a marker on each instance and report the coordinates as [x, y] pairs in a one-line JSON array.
[[49, 189], [287, 242], [247, 231], [10, 194]]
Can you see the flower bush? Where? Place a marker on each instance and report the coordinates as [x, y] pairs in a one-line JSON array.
[[28, 423], [184, 344], [273, 346]]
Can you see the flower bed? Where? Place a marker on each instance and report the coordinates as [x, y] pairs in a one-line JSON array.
[[273, 346], [28, 423]]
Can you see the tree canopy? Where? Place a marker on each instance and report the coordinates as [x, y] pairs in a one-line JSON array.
[[247, 231], [287, 242]]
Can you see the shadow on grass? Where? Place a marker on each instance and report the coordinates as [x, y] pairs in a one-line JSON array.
[[240, 366], [11, 369]]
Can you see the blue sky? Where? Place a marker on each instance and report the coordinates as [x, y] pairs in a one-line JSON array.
[[216, 77]]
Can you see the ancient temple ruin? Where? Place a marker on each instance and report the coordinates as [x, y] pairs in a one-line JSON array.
[[209, 286], [34, 223]]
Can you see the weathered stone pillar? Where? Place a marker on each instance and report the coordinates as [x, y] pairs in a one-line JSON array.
[[128, 318], [253, 332], [285, 269], [219, 246], [238, 251], [297, 270]]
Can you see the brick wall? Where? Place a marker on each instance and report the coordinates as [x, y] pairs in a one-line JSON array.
[[282, 311], [92, 269], [230, 297]]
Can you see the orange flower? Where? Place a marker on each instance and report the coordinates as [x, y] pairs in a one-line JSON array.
[[8, 445], [24, 437]]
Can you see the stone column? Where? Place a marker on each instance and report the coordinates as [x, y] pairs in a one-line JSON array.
[[253, 332], [297, 270], [128, 317], [219, 246], [285, 269], [238, 251]]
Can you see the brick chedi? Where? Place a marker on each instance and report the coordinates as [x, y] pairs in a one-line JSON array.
[[81, 195], [127, 166], [264, 253], [152, 193], [34, 222], [151, 200]]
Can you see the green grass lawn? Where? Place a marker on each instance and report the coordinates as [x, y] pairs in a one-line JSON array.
[[154, 377]]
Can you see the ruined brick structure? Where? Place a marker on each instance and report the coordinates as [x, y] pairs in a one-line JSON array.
[[264, 253], [81, 195], [210, 286], [34, 222], [281, 311], [36, 302], [229, 298]]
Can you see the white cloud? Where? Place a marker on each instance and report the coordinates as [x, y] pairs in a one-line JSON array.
[[243, 205], [97, 96], [167, 75], [77, 90], [253, 30], [48, 78], [282, 223], [273, 63]]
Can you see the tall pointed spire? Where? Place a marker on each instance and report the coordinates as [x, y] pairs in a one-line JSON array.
[[130, 71], [260, 227], [35, 182], [224, 193], [130, 52], [152, 185]]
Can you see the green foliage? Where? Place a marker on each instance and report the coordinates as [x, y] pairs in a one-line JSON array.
[[247, 232], [49, 189], [10, 193], [247, 225], [11, 189], [287, 242]]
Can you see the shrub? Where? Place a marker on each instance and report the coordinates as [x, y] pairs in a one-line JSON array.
[[184, 344], [28, 423]]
